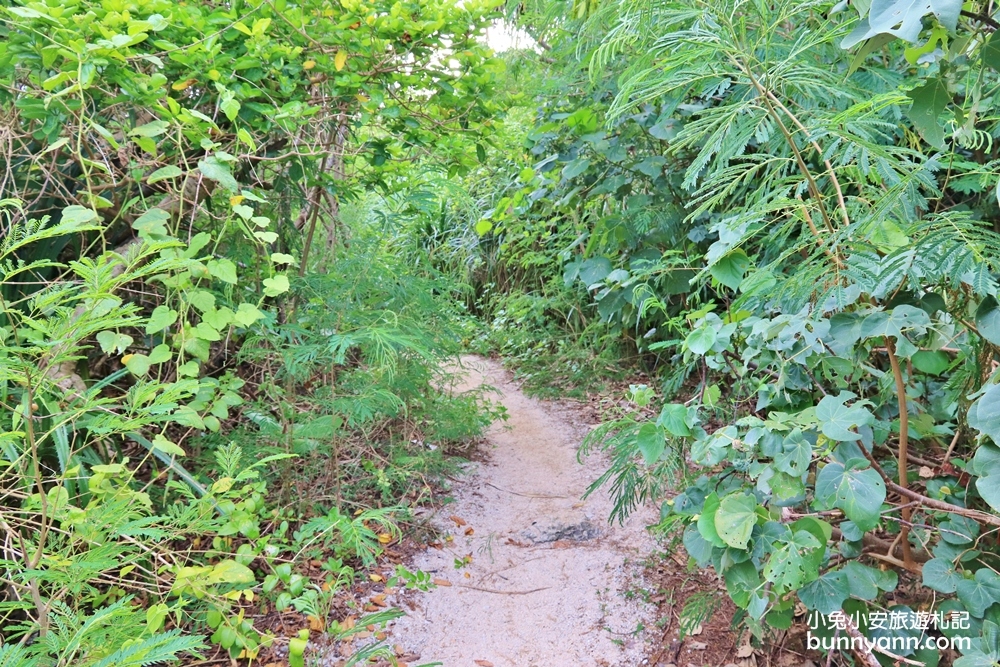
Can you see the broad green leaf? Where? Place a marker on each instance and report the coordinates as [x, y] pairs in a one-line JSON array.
[[152, 224], [903, 19], [984, 414], [651, 442], [206, 331], [940, 575], [796, 455], [859, 493], [163, 173], [865, 582], [231, 107], [989, 489], [929, 100], [701, 340], [706, 521], [160, 354], [697, 546], [729, 270], [152, 129], [161, 444], [742, 579], [161, 318], [979, 593], [711, 450], [137, 364], [247, 314], [213, 169], [893, 323], [594, 270], [959, 530], [990, 53], [988, 320], [230, 572], [673, 418], [735, 519], [575, 168], [932, 362], [792, 563], [223, 269], [77, 215], [826, 594], [837, 419], [986, 460], [276, 285], [845, 329], [112, 341], [786, 487], [201, 299], [218, 318]]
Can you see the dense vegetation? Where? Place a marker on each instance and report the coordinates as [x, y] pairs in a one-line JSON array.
[[241, 241]]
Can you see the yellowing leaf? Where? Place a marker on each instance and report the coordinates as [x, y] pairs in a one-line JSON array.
[[375, 577], [236, 200], [385, 538], [309, 64], [184, 85], [340, 60]]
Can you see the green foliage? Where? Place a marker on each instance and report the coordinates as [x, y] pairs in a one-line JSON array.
[[801, 244], [169, 167]]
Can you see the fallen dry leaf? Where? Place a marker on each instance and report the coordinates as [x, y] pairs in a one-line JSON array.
[[926, 472], [744, 651], [469, 531], [316, 623], [459, 521], [378, 599], [442, 582], [375, 577], [483, 663], [698, 646], [384, 538], [696, 631]]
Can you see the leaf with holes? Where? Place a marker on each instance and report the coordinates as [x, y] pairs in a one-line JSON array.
[[859, 493], [795, 456], [790, 565]]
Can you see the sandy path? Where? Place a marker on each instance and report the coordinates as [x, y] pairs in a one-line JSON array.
[[546, 582]]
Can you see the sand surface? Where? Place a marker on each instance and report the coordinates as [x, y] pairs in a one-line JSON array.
[[547, 578]]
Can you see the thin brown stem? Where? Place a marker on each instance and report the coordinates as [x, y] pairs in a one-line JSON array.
[[904, 435]]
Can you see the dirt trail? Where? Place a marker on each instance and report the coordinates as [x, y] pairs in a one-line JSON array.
[[547, 581]]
